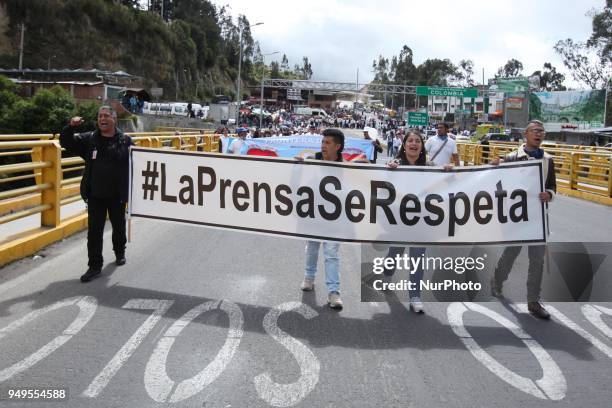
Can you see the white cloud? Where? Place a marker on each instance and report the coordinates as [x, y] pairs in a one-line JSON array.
[[341, 36]]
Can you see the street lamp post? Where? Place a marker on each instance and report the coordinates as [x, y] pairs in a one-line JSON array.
[[263, 72], [240, 29]]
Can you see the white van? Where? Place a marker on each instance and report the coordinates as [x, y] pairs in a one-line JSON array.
[[173, 109], [156, 108], [318, 112]]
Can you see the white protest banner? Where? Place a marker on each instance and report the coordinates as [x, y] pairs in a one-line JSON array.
[[340, 202], [302, 146]]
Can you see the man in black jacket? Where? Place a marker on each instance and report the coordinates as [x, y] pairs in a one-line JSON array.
[[104, 186], [534, 135]]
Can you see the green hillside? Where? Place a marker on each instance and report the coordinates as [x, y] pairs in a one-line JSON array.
[[194, 48]]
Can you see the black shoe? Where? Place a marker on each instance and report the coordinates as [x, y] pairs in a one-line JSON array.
[[92, 273], [120, 260], [536, 309]]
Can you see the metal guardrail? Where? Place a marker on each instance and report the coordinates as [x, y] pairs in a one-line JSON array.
[[583, 171], [50, 188]]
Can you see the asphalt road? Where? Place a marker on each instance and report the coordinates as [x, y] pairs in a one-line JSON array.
[[209, 318]]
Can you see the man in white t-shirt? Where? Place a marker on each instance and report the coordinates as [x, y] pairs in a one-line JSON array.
[[441, 149]]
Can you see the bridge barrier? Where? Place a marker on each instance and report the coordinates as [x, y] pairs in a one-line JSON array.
[[583, 172], [50, 181]]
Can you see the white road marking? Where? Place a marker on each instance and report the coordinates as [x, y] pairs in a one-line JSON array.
[[87, 307], [159, 307], [522, 308], [593, 314], [157, 383], [285, 395], [552, 384]]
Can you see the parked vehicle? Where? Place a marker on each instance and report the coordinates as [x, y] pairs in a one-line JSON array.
[[311, 112], [430, 133], [482, 130], [496, 137], [174, 109]]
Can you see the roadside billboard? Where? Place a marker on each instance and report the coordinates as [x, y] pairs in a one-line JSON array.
[[580, 107]]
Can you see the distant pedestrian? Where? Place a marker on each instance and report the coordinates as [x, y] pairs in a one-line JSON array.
[[375, 144], [133, 104]]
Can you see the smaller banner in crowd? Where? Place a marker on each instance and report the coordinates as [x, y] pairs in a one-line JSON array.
[[355, 150], [347, 202]]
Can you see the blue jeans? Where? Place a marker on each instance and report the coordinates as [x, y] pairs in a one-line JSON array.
[[332, 263], [417, 276]]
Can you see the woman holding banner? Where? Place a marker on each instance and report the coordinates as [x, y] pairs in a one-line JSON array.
[[411, 153]]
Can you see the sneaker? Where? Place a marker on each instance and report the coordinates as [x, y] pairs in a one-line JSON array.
[[496, 289], [91, 274], [307, 285], [416, 305], [536, 309], [120, 259], [334, 301]]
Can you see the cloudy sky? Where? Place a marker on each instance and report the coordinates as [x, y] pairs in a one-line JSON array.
[[341, 36]]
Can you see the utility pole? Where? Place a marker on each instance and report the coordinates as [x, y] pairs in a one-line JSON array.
[[21, 47], [238, 97], [261, 97], [176, 84], [404, 104], [356, 89]]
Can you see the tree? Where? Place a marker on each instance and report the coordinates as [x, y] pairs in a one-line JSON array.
[[586, 64], [306, 68], [550, 79], [89, 112], [274, 69], [590, 62], [284, 63], [8, 94], [465, 71], [602, 31], [436, 72], [47, 112], [404, 70], [196, 42], [380, 69], [513, 68]]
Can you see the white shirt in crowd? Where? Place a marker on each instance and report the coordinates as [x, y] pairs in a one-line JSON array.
[[433, 144], [397, 142], [236, 146]]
